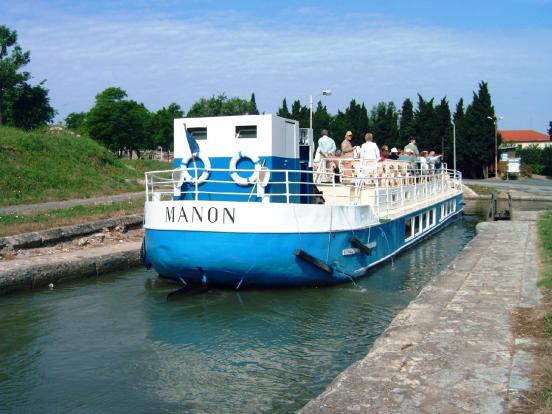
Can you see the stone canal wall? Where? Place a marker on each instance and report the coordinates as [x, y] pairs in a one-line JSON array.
[[42, 270], [452, 349], [92, 249]]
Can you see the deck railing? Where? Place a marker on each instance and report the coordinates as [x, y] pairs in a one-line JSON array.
[[385, 185]]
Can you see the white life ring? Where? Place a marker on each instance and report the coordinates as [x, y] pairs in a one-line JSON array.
[[238, 179], [204, 175]]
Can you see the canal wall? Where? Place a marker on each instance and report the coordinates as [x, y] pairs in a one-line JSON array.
[[40, 271], [66, 233], [452, 349], [28, 270]]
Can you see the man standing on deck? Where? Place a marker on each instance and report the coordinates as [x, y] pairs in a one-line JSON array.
[[412, 147], [326, 145]]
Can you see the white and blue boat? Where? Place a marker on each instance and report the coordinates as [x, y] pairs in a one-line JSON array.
[[247, 207]]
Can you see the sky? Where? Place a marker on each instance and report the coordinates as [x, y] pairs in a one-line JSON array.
[[374, 51]]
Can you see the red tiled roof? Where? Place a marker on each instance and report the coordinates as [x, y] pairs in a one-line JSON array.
[[523, 135]]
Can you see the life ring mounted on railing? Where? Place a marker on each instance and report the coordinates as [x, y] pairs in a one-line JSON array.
[[187, 177], [238, 179]]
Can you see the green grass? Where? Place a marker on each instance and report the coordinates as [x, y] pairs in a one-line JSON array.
[[482, 190], [22, 223], [545, 231], [36, 167]]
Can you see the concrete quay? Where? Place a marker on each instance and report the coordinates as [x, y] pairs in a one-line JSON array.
[[40, 271], [452, 350]]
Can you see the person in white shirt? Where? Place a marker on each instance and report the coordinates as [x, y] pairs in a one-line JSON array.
[[326, 145], [326, 149], [369, 150]]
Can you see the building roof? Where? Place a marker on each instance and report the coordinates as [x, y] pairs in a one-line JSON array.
[[523, 135]]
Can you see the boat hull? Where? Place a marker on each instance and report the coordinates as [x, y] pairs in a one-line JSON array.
[[235, 259]]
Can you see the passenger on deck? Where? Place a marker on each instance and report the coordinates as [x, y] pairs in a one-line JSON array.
[[369, 156], [384, 153], [412, 146], [434, 161], [326, 145], [422, 161], [369, 150], [348, 152], [394, 154], [324, 152]]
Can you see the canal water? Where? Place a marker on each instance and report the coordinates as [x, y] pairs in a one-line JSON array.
[[115, 344]]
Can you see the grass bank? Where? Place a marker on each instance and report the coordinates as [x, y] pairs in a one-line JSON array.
[[11, 224], [37, 167], [482, 190], [544, 399]]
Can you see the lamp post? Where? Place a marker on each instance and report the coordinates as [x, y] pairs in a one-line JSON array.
[[454, 147], [325, 92], [495, 122]]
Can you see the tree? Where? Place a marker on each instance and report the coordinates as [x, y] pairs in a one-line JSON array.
[[383, 124], [284, 111], [27, 106], [476, 141], [407, 128], [550, 129], [253, 105], [219, 105], [76, 121], [12, 59], [443, 129], [300, 113], [424, 123], [162, 125], [119, 123], [321, 119]]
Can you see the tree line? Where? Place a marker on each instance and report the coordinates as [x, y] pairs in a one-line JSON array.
[[124, 124], [430, 122]]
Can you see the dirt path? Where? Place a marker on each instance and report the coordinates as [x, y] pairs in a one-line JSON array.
[[25, 208]]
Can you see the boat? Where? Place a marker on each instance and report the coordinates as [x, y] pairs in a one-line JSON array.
[[246, 205]]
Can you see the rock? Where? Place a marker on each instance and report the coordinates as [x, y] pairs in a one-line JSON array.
[[83, 241]]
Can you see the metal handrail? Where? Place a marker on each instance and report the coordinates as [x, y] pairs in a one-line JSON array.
[[386, 188]]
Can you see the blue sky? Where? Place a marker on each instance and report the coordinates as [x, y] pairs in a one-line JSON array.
[[375, 50]]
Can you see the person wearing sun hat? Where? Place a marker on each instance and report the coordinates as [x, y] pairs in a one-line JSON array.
[[347, 151], [394, 154]]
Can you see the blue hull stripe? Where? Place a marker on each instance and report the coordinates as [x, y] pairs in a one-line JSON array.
[[269, 260]]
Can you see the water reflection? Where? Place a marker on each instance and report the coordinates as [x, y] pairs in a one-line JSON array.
[[117, 345]]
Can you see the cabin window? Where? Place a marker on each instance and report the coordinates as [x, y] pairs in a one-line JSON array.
[[408, 228], [246, 131], [407, 195], [432, 217], [425, 223], [417, 228], [198, 133]]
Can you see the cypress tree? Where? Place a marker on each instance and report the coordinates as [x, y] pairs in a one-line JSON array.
[[321, 119], [407, 128], [284, 111], [383, 122], [478, 134], [425, 126], [300, 113], [253, 105], [443, 129]]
